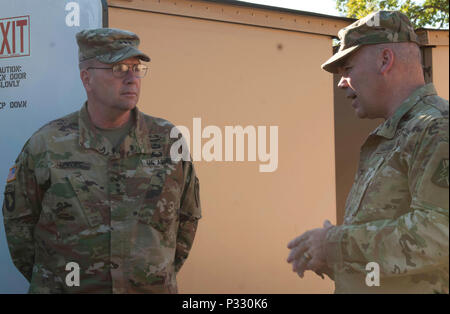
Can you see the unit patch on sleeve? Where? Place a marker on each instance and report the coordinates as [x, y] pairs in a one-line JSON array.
[[10, 198]]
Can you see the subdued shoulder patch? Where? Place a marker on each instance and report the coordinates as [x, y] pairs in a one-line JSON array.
[[12, 174], [10, 198], [440, 177]]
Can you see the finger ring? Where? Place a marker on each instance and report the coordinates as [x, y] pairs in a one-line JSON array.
[[306, 255]]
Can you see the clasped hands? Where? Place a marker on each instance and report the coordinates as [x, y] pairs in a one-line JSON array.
[[308, 251]]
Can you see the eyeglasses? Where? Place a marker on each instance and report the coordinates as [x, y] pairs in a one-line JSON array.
[[119, 70]]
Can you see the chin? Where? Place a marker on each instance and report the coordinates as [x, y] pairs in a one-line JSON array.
[[127, 106], [361, 114]]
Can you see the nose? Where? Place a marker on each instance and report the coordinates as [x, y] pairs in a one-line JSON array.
[[343, 83], [131, 77]]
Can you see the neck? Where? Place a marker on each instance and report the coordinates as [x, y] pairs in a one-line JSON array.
[[398, 96], [107, 119]]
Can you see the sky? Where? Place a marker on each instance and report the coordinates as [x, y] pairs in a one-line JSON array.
[[318, 6]]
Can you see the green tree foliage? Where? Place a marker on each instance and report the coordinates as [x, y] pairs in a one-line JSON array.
[[424, 13]]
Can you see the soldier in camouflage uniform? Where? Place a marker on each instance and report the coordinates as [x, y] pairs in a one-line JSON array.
[[98, 187], [396, 214]]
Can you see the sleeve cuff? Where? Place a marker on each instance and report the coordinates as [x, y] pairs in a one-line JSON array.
[[333, 247]]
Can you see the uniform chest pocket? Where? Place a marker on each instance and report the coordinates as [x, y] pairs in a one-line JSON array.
[[91, 198], [159, 204], [70, 205], [362, 184]]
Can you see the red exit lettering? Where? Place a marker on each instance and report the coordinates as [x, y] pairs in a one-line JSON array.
[[15, 37]]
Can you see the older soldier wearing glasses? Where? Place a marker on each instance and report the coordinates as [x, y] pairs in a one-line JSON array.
[[98, 189]]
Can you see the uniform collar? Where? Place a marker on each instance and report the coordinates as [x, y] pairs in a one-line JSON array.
[[389, 127], [134, 143]]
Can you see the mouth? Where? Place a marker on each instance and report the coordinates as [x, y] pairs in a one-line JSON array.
[[129, 94]]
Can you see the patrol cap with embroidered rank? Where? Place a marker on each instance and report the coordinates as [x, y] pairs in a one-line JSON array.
[[376, 28], [108, 45]]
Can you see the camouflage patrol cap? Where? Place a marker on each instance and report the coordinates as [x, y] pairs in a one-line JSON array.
[[108, 45], [376, 28]]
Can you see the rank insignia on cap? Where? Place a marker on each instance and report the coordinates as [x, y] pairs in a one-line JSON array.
[[11, 174], [440, 176]]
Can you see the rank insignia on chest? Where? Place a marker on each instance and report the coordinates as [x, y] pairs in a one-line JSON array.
[[11, 175], [440, 176]]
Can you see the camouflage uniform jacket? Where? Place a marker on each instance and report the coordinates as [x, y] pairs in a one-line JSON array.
[[128, 217], [397, 211]]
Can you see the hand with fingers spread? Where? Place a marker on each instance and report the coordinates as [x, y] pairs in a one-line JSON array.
[[308, 251]]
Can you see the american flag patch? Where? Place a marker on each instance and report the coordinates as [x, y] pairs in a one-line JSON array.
[[11, 174]]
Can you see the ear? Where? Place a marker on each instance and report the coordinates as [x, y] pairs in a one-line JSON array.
[[85, 79], [387, 60]]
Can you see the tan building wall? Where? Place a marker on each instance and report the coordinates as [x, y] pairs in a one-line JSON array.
[[440, 70], [437, 41], [238, 74]]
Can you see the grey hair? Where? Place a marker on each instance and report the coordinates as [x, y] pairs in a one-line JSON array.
[[86, 64]]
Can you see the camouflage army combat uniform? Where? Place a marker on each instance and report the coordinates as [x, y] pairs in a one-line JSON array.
[[397, 211], [128, 216], [396, 214]]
